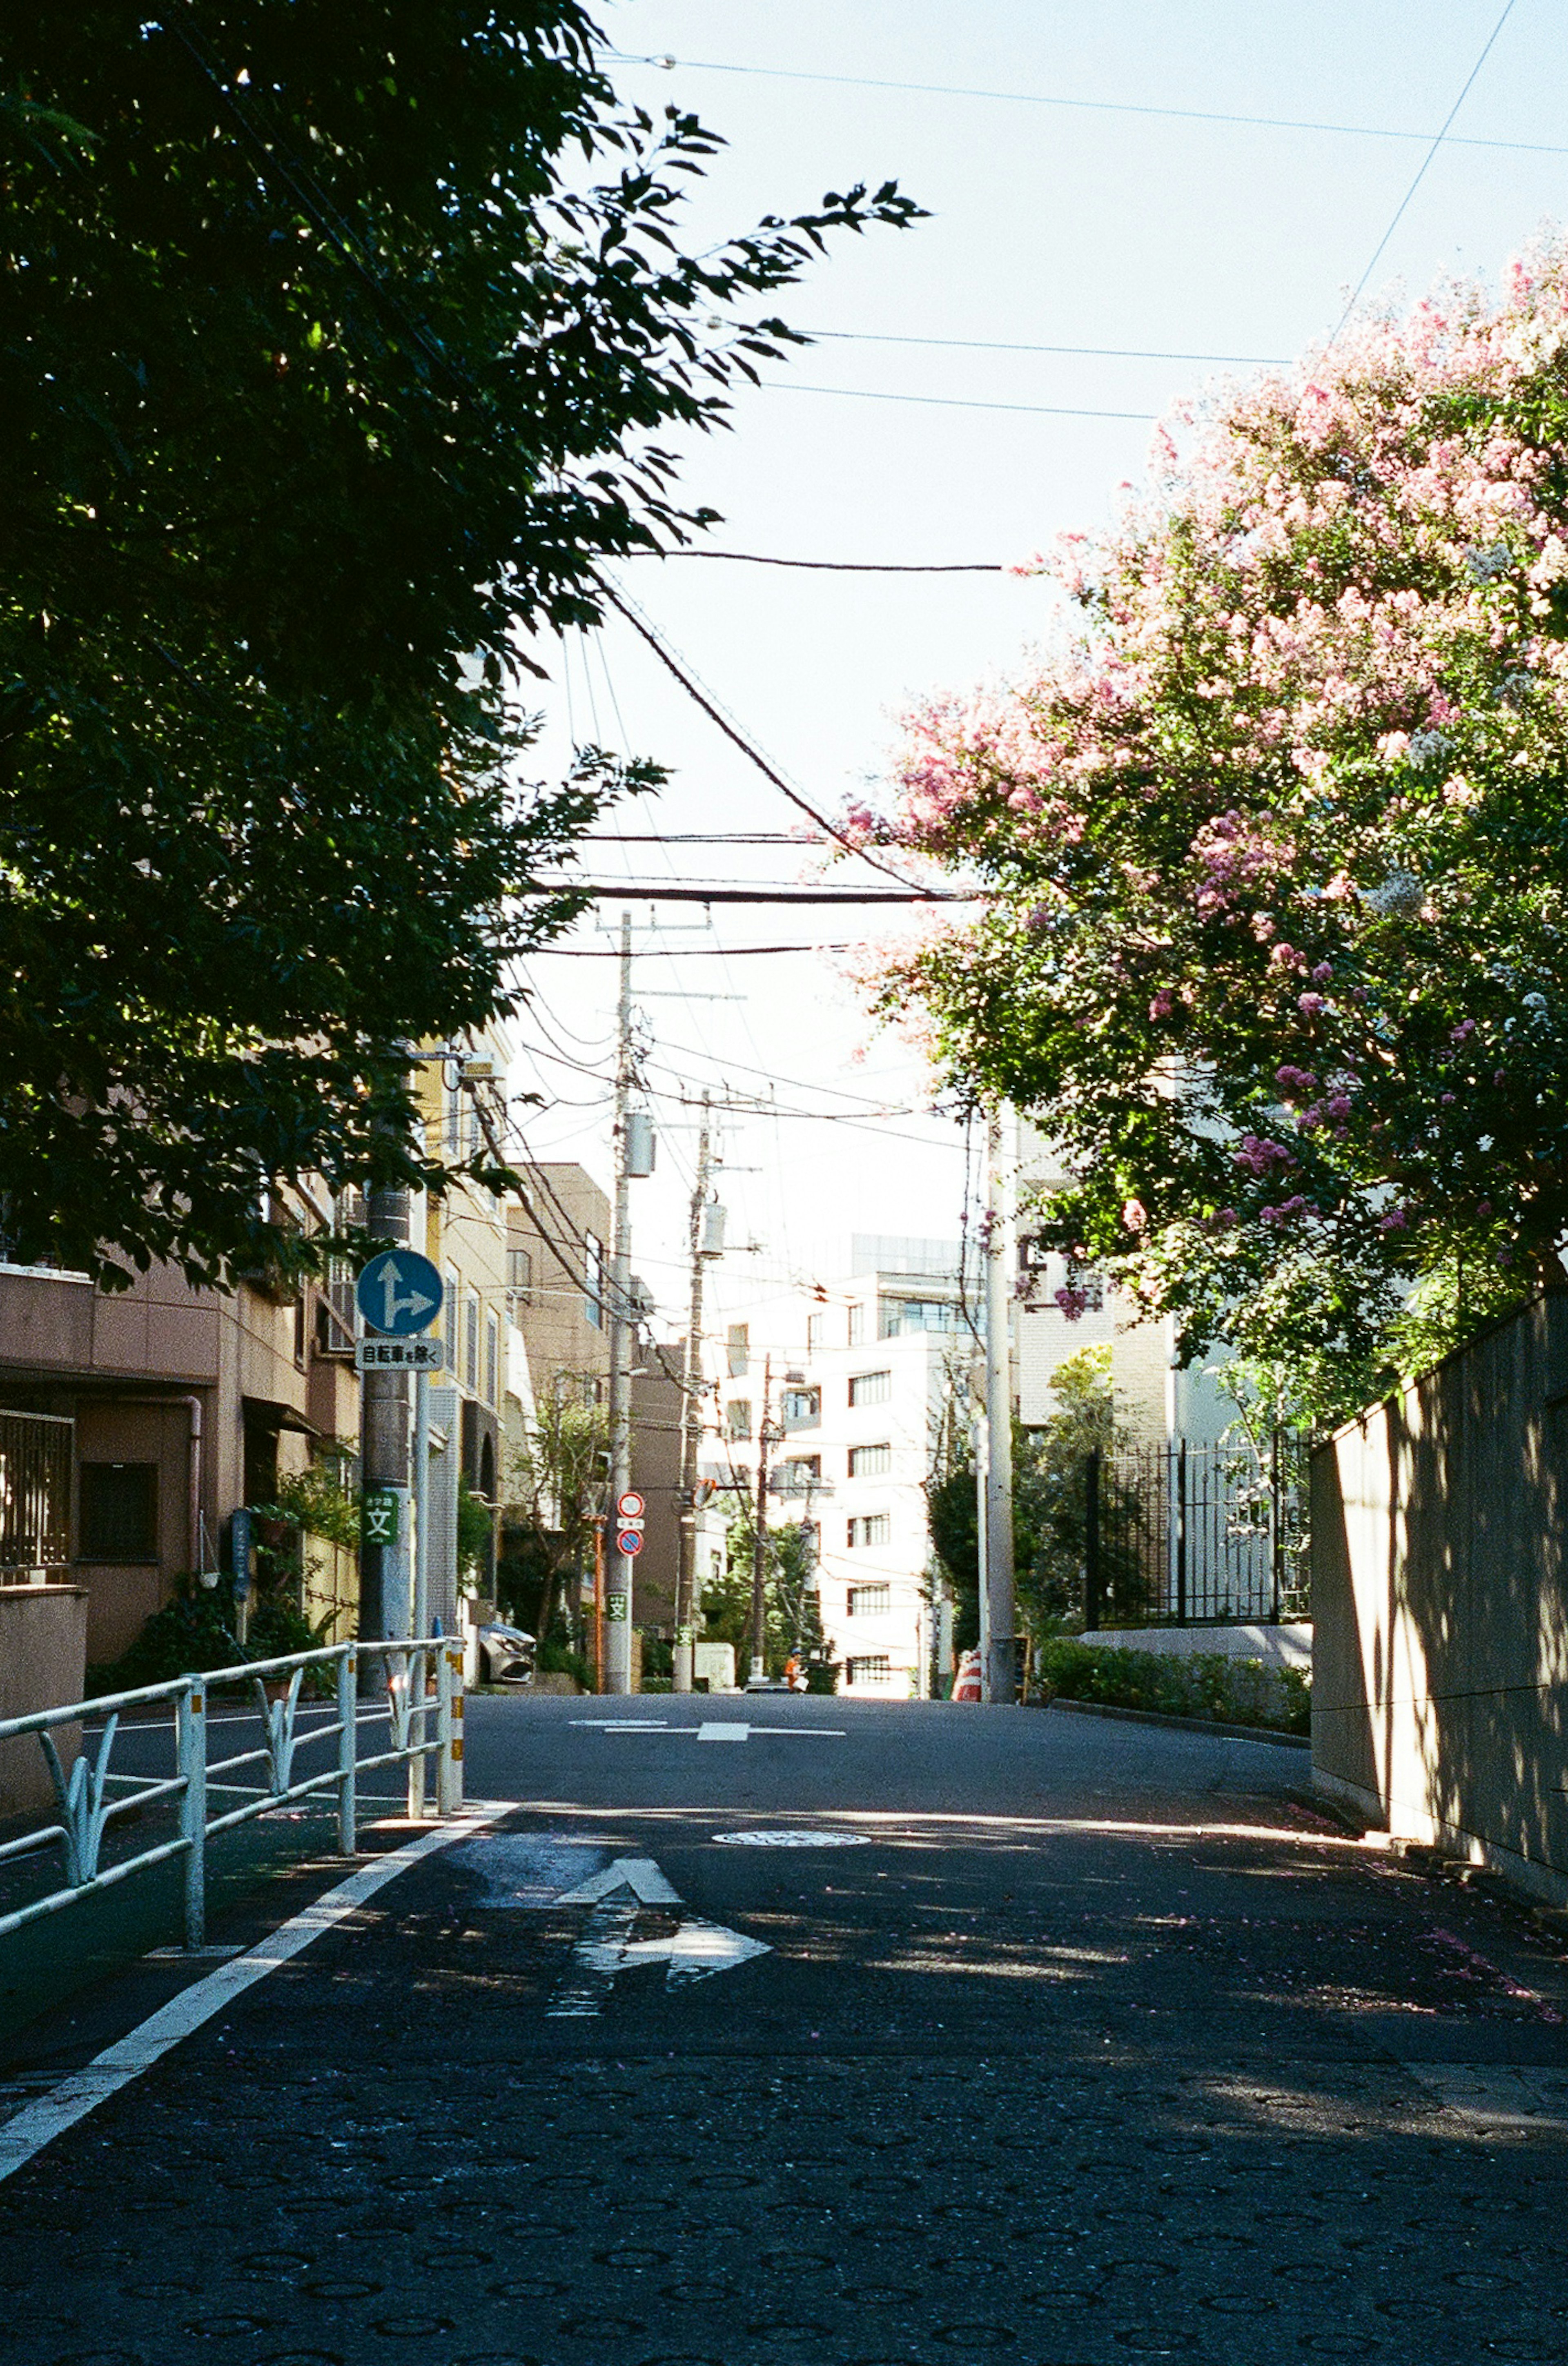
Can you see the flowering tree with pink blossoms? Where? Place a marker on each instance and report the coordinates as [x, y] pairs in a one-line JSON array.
[[1274, 851]]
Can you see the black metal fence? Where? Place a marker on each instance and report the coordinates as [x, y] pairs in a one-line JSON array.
[[1179, 1534], [35, 1496]]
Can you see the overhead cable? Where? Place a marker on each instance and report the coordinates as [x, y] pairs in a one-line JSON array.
[[843, 566], [949, 401], [1082, 106], [1421, 170], [686, 895], [627, 606], [999, 345]]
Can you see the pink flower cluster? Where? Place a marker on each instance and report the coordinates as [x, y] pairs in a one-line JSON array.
[[1259, 1155]]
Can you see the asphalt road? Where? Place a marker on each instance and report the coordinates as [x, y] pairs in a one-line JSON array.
[[1047, 2038]]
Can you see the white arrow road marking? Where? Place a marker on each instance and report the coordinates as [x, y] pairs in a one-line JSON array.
[[695, 1951], [728, 1729], [637, 1873]]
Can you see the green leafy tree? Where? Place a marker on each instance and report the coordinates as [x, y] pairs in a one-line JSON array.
[[1049, 1505], [1272, 841], [792, 1615], [555, 1491], [338, 344]]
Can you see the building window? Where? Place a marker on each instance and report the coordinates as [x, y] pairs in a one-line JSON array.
[[492, 1360], [874, 1668], [738, 1418], [801, 1408], [898, 1315], [119, 1510], [519, 1276], [450, 1311], [871, 1388], [801, 1472], [870, 1462], [738, 1350], [872, 1529], [870, 1601], [593, 1274], [471, 1343], [857, 1326], [815, 1325]]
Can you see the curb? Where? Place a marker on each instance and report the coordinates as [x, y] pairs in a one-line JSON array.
[[1186, 1724]]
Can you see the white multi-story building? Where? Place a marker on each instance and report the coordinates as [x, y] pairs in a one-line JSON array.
[[857, 1377]]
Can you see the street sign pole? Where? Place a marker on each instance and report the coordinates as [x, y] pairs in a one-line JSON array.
[[421, 1502], [615, 1664]]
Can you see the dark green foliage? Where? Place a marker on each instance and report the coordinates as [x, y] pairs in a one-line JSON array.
[[476, 1534], [320, 389], [197, 1629], [952, 1515], [192, 1632], [794, 1622], [1231, 1692], [555, 1656]]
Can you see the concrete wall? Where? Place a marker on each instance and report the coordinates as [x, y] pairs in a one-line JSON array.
[[43, 1661], [1441, 1604], [1285, 1646]]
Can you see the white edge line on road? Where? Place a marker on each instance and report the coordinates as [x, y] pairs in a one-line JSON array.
[[37, 2125]]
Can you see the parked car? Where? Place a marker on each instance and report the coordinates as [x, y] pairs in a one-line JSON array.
[[506, 1655], [966, 1677]]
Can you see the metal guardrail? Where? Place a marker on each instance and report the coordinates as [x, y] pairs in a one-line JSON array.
[[88, 1805]]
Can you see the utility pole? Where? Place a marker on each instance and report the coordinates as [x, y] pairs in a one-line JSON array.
[[760, 1539], [386, 1602], [617, 1664], [998, 1674], [692, 1423]]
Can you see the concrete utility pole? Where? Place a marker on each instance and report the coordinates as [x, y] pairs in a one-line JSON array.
[[692, 1423], [617, 1663], [760, 1539], [385, 1600], [998, 1671]]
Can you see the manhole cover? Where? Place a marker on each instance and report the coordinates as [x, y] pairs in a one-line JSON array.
[[792, 1840]]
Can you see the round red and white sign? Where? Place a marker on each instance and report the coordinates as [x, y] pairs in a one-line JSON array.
[[630, 1505]]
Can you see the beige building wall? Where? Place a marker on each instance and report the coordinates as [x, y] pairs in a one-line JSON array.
[[213, 1395]]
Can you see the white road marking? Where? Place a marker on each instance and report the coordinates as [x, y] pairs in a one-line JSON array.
[[727, 1728], [1498, 2094], [83, 2091], [792, 1840], [637, 1873], [693, 1951]]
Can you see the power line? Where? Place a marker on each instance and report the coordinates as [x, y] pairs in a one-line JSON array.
[[688, 895], [1421, 169], [678, 953], [998, 345], [627, 606], [1083, 105], [841, 565], [948, 401], [695, 837]]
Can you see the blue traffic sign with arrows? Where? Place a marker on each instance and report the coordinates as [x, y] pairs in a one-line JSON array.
[[400, 1294]]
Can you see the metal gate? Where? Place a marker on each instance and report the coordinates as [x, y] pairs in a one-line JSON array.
[[37, 1450], [1179, 1534]]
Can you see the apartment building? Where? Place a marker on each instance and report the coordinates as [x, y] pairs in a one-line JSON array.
[[855, 1377], [1158, 1402], [165, 1409]]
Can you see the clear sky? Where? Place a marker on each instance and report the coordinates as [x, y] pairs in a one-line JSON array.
[[1061, 216]]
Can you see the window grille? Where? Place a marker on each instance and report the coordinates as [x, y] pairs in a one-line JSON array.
[[871, 1388], [870, 1462], [857, 1326], [815, 1326], [873, 1668], [871, 1528], [870, 1601]]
